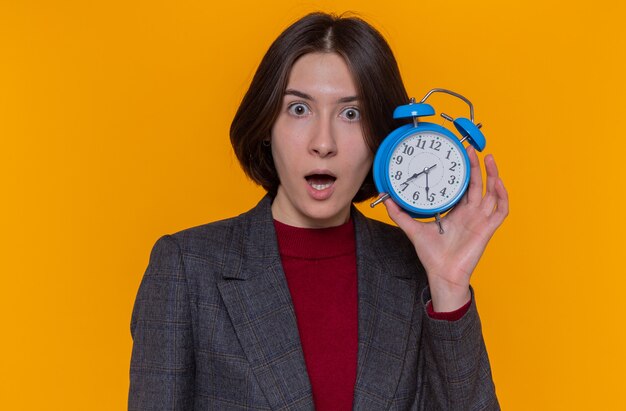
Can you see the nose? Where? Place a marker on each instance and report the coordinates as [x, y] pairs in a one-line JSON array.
[[323, 143]]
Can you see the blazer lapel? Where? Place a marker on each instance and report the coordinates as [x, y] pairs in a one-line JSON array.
[[386, 303], [259, 304]]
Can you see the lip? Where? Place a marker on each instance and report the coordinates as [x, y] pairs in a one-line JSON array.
[[324, 194], [321, 171]]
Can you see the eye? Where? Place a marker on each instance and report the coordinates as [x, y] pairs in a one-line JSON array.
[[298, 109], [351, 114]]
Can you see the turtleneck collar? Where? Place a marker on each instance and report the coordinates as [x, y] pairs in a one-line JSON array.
[[315, 243]]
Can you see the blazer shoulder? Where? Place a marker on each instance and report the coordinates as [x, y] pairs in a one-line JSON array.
[[389, 239], [228, 237], [385, 229], [200, 240]]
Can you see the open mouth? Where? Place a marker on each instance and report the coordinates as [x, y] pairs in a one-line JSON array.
[[320, 181]]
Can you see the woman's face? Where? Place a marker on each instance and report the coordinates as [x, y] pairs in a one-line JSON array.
[[317, 144]]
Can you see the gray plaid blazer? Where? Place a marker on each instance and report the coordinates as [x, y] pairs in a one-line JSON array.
[[214, 328]]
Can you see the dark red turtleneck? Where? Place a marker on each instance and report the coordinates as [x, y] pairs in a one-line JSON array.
[[320, 267]]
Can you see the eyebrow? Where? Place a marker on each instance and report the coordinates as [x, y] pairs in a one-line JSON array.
[[292, 92]]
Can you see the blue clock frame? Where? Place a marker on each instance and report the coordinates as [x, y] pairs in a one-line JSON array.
[[466, 127], [383, 158]]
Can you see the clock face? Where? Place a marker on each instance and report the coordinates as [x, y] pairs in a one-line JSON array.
[[428, 170]]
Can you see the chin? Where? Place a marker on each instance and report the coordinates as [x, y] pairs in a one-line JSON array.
[[324, 214]]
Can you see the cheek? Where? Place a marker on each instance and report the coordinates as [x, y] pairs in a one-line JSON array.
[[362, 157], [280, 158], [359, 165], [366, 164], [285, 157], [277, 140]]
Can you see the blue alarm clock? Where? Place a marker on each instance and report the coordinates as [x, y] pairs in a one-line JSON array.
[[423, 166]]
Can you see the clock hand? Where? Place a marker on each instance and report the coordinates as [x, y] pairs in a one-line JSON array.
[[427, 169], [437, 216], [414, 176], [406, 182]]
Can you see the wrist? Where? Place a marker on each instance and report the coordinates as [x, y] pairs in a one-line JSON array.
[[447, 316], [448, 300]]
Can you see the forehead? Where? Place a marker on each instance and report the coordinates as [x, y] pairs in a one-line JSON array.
[[322, 73]]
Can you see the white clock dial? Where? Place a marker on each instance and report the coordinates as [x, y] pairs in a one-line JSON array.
[[427, 170]]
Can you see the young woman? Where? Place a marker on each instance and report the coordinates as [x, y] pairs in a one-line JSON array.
[[302, 302]]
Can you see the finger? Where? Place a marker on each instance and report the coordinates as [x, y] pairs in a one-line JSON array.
[[401, 218], [502, 206], [489, 200], [475, 189], [492, 172], [489, 203]]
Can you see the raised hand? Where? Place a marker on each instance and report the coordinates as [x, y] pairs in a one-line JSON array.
[[450, 259]]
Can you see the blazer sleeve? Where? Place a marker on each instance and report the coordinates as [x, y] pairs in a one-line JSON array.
[[457, 370], [162, 364]]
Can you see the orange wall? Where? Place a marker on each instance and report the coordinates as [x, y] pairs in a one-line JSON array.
[[114, 121]]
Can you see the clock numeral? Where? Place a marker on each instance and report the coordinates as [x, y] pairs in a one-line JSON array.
[[399, 160], [448, 156], [404, 185], [398, 175], [452, 179], [435, 145], [431, 197], [416, 195], [408, 150], [421, 144], [453, 166], [443, 192]]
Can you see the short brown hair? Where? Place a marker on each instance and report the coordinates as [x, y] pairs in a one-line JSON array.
[[371, 63]]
